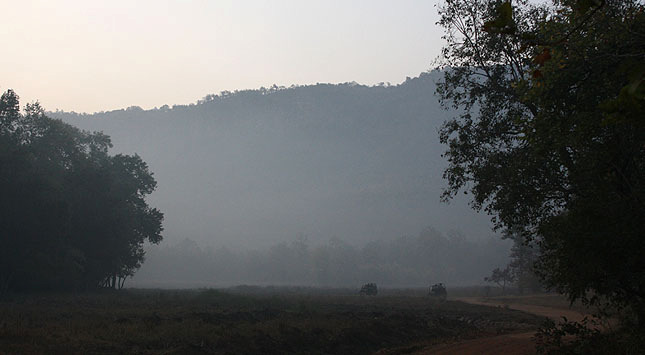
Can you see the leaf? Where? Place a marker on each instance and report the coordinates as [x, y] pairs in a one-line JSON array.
[[528, 37], [543, 57], [505, 12], [637, 89], [636, 86], [503, 20], [582, 6]]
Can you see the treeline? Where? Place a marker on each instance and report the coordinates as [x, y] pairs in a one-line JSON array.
[[429, 257], [73, 217]]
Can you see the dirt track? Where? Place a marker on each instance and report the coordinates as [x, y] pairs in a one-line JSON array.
[[518, 343], [554, 313]]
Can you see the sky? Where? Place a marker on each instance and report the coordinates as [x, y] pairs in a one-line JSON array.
[[95, 55]]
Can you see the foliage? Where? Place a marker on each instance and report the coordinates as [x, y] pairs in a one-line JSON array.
[[524, 255], [569, 337], [521, 270], [501, 277], [550, 139], [72, 216]]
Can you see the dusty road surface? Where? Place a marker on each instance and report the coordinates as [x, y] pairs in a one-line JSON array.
[[519, 303], [517, 343]]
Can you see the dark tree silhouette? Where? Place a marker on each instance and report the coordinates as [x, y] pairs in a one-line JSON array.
[[501, 277], [551, 138], [72, 216]]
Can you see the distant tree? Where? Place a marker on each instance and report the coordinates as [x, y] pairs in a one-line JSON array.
[[321, 265], [524, 257], [501, 277]]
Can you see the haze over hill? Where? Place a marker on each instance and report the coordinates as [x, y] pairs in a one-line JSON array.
[[253, 168], [345, 160]]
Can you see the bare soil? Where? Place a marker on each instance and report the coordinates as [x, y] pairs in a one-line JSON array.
[[549, 306]]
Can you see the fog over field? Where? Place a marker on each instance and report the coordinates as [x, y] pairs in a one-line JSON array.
[[329, 166], [337, 177]]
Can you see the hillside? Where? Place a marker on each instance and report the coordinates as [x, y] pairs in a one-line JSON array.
[[258, 166]]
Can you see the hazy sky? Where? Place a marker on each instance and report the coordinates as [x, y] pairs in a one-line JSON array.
[[90, 55]]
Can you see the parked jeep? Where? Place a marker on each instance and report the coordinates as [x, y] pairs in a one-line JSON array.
[[438, 291], [369, 289]]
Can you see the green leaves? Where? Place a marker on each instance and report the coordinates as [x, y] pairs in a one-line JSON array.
[[561, 158], [543, 57], [71, 214], [636, 86], [582, 6], [540, 59], [502, 22]]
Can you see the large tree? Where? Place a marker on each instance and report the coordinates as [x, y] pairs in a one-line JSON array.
[[550, 134], [72, 215]]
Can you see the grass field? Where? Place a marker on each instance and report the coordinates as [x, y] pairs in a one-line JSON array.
[[243, 320]]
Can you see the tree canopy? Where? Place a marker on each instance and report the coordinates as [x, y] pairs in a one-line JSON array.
[[550, 138], [73, 217]]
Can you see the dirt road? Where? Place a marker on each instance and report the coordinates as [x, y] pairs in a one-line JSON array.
[[518, 343], [555, 313]]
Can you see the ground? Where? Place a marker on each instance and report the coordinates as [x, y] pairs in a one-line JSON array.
[[520, 343], [256, 320]]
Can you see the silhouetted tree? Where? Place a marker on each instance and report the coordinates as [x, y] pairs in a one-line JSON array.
[[501, 277], [550, 137], [72, 216], [524, 256]]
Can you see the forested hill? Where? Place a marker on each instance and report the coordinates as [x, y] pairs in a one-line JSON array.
[[327, 160]]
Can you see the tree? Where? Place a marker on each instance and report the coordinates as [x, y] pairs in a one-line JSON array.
[[549, 137], [72, 215], [522, 268], [111, 219], [523, 259], [501, 277]]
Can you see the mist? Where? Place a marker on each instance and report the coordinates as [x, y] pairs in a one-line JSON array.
[[403, 262], [258, 177]]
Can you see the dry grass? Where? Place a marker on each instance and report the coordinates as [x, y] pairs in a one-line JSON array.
[[212, 321]]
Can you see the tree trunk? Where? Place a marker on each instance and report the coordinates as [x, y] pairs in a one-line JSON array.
[[5, 281], [122, 281]]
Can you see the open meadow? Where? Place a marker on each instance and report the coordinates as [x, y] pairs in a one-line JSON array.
[[245, 320]]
